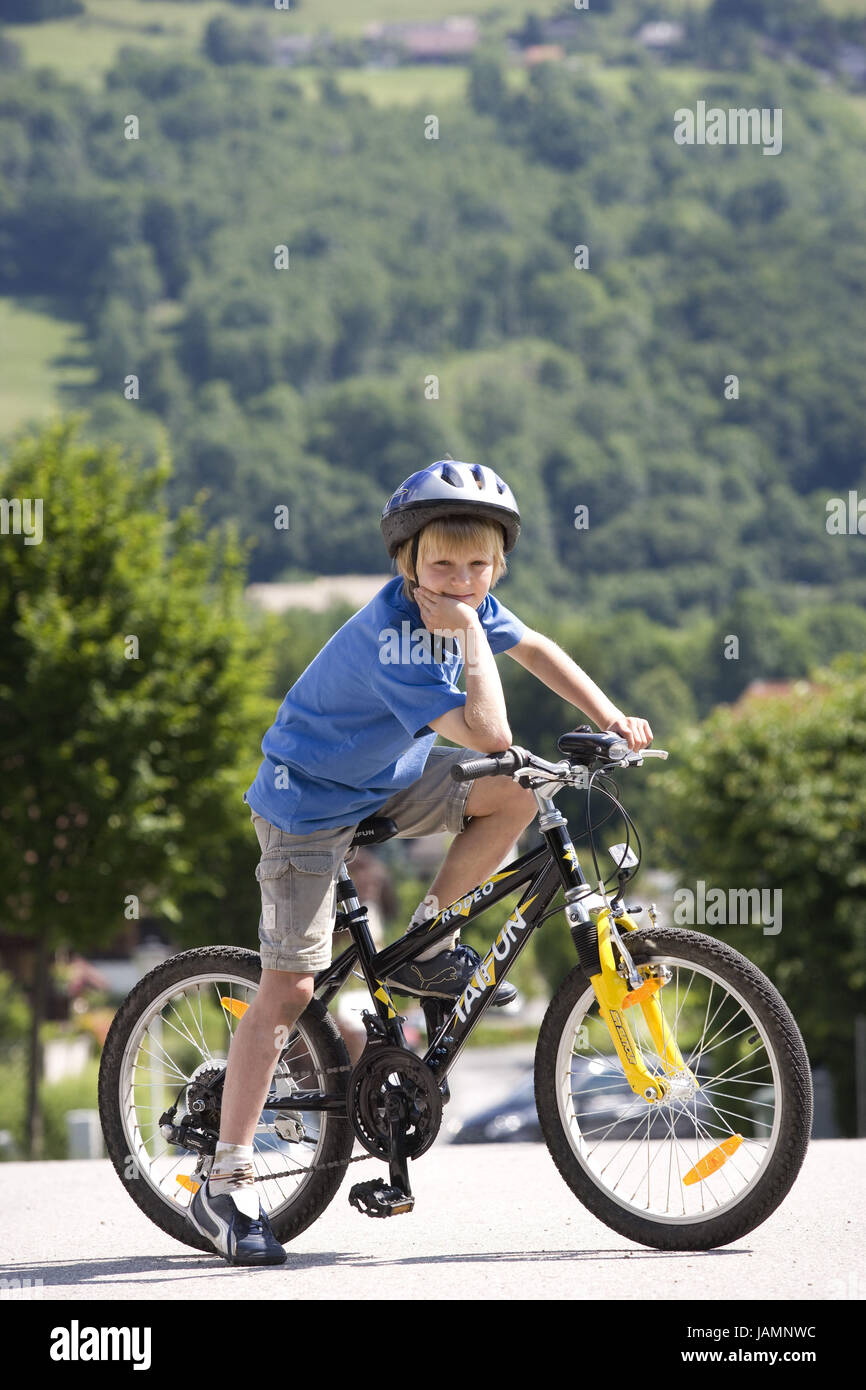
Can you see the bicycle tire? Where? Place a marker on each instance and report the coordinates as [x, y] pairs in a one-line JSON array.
[[325, 1047], [575, 1142]]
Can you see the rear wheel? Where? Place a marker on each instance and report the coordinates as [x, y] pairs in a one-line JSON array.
[[717, 1156], [168, 1044]]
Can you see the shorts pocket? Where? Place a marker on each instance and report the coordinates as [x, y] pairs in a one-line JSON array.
[[306, 861], [312, 861], [272, 868]]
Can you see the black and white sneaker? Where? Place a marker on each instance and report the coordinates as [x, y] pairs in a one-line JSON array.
[[445, 976], [236, 1226]]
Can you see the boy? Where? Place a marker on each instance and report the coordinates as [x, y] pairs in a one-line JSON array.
[[353, 737]]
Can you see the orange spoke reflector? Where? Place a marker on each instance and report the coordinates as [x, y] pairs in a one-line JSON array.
[[642, 992], [188, 1183], [712, 1162], [235, 1006]]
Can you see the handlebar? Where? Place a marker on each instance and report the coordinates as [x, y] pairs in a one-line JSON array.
[[496, 765], [507, 763]]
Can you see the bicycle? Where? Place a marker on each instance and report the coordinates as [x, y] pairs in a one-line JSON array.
[[671, 1081]]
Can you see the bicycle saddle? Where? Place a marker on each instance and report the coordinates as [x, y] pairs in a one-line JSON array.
[[373, 831]]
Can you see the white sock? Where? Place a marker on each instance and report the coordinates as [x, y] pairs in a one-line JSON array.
[[423, 913], [231, 1176]]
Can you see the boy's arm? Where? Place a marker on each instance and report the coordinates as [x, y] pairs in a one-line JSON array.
[[482, 722], [555, 669]]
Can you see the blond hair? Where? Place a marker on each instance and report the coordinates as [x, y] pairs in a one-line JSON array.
[[457, 536]]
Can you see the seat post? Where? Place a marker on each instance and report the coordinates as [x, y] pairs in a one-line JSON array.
[[357, 923]]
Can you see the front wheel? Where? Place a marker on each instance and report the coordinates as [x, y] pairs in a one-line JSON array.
[[169, 1044], [717, 1156]]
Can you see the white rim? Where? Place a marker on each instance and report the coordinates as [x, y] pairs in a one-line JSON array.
[[174, 1019], [643, 1171]]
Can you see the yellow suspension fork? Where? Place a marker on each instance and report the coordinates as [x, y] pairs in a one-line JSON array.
[[615, 996]]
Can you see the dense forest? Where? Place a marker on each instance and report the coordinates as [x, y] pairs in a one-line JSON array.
[[659, 346]]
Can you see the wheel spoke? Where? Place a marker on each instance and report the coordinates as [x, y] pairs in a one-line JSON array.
[[190, 1018], [641, 1154]]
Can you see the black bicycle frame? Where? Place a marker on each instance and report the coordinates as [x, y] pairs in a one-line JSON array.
[[545, 869]]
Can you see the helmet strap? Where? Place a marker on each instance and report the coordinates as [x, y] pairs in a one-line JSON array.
[[413, 583]]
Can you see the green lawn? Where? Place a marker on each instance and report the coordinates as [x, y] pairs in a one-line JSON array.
[[83, 48], [33, 345], [402, 86]]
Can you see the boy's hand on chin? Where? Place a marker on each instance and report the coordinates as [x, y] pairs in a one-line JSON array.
[[441, 612]]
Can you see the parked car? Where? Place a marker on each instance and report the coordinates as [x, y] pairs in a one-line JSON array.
[[608, 1113]]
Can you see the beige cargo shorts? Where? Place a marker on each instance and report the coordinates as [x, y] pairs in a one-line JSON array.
[[297, 873]]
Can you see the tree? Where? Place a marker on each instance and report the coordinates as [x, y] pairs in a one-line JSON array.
[[771, 795], [132, 276], [225, 42], [10, 54], [487, 90], [130, 716], [34, 11]]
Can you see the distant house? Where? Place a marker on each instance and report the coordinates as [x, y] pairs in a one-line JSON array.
[[851, 60], [543, 53], [562, 28], [660, 34], [772, 690], [451, 41], [317, 595], [292, 48]]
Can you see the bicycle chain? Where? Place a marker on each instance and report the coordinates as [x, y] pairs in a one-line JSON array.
[[317, 1167]]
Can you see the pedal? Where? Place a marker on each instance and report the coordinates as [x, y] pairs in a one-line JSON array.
[[376, 1198]]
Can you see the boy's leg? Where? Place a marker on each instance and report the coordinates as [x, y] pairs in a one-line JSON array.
[[296, 874], [227, 1208], [281, 999], [500, 810]]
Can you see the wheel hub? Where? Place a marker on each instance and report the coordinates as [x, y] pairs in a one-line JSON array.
[[682, 1086], [203, 1097]]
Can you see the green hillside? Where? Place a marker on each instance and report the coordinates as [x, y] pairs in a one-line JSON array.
[[675, 410], [43, 359]]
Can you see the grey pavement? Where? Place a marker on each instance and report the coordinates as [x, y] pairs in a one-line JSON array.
[[492, 1221]]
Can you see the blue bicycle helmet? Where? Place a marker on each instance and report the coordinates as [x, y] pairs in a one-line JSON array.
[[449, 488]]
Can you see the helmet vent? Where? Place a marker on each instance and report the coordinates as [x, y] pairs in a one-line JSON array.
[[478, 474], [500, 486], [450, 475]]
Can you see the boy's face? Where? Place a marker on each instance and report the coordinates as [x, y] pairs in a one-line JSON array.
[[466, 576]]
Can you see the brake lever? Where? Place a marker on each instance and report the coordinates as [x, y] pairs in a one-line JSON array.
[[550, 774], [636, 759]]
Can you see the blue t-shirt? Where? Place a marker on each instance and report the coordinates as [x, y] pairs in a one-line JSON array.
[[355, 727]]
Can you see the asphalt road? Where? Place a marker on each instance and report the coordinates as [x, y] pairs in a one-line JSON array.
[[491, 1221]]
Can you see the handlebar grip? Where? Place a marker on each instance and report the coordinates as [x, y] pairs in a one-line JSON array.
[[497, 765]]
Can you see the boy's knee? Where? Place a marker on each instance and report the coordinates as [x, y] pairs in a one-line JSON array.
[[490, 797], [285, 989], [521, 799]]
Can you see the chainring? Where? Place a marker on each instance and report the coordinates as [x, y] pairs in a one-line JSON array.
[[383, 1077]]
